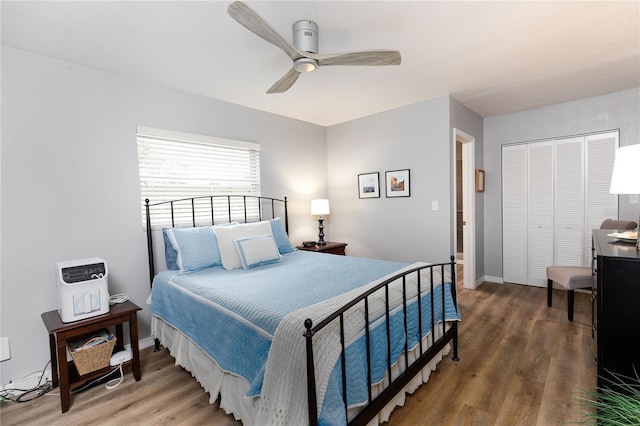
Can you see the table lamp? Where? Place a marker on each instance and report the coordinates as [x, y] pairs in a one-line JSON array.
[[625, 178], [319, 208]]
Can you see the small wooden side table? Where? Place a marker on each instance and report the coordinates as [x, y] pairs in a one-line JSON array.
[[64, 373], [329, 247]]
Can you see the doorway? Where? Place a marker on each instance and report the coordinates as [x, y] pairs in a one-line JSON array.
[[464, 221]]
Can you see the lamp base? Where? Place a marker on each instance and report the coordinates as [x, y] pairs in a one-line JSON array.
[[320, 232]]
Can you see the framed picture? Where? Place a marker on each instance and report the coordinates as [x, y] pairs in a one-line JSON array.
[[369, 185], [398, 183], [479, 180]]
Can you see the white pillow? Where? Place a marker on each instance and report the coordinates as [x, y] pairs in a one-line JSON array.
[[226, 235], [257, 251]]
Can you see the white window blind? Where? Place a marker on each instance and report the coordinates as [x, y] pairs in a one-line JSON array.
[[175, 165]]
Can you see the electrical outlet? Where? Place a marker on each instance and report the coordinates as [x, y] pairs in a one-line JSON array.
[[633, 198], [5, 349]]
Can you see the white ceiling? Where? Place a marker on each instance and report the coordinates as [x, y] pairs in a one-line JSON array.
[[494, 57]]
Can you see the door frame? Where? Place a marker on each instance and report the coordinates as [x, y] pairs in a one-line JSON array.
[[469, 206]]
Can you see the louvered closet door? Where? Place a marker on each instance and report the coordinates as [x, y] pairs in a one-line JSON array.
[[600, 151], [514, 214], [540, 211], [569, 202]]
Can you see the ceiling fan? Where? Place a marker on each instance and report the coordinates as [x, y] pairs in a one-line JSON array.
[[304, 50]]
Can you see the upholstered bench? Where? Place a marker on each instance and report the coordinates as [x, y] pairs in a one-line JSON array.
[[573, 277]]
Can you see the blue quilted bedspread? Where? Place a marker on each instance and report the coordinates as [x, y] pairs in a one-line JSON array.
[[233, 315]]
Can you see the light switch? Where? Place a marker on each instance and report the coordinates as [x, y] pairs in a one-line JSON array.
[[633, 198], [434, 206]]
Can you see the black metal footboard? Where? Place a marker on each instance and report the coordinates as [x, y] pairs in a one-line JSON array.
[[426, 350]]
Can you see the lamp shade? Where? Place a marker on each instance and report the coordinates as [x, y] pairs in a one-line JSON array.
[[625, 178], [320, 207]]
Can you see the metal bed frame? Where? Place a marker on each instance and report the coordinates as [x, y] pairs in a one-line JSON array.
[[396, 384]]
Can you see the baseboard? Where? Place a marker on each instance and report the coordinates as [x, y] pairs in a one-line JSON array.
[[491, 279], [146, 342]]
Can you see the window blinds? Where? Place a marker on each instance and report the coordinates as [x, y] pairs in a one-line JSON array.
[[174, 165]]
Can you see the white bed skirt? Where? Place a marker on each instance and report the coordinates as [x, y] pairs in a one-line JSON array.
[[232, 388]]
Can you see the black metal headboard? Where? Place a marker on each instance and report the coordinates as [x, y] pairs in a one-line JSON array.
[[211, 210]]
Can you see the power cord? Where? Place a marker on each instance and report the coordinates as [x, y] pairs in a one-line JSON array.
[[111, 384], [24, 395], [118, 298], [114, 383]]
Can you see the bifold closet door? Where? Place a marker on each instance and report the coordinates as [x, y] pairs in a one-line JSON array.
[[514, 214], [555, 193], [569, 202], [540, 211], [600, 151]]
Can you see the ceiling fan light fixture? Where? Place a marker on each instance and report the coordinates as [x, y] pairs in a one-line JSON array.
[[305, 36], [304, 50], [305, 64]]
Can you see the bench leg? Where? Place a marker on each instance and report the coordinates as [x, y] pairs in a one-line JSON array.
[[570, 305], [549, 292]]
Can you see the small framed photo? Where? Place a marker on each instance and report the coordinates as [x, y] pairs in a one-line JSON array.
[[479, 180], [398, 183], [369, 185]]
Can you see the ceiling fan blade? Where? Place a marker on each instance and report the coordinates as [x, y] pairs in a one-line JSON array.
[[285, 82], [366, 57], [248, 18]]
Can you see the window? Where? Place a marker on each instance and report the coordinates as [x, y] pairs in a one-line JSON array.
[[174, 165]]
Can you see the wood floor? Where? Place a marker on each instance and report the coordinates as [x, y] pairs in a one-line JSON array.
[[521, 363]]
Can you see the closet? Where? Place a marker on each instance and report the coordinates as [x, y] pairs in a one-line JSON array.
[[554, 192]]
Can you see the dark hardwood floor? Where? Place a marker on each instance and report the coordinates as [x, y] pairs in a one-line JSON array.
[[521, 363]]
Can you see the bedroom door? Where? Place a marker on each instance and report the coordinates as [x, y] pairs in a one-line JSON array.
[[468, 206]]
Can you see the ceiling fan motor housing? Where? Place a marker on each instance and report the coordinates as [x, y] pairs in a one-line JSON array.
[[305, 36]]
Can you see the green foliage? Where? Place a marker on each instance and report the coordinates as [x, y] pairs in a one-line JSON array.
[[618, 405]]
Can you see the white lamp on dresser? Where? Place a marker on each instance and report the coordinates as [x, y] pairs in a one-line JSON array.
[[625, 178]]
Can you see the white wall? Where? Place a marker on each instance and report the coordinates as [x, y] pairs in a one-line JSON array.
[[619, 110], [415, 137], [70, 181]]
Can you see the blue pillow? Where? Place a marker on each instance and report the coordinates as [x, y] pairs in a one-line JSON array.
[[196, 248], [257, 251], [170, 254], [282, 240]]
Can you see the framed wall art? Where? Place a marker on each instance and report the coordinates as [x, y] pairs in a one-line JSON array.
[[398, 183], [369, 185]]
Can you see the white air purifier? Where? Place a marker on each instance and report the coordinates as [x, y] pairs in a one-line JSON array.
[[82, 288]]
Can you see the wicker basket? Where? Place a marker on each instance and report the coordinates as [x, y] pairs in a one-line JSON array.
[[91, 358]]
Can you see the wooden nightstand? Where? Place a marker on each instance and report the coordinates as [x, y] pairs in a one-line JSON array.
[[64, 373], [330, 247]]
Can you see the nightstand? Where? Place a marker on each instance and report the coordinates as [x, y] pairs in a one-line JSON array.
[[330, 247], [64, 373]]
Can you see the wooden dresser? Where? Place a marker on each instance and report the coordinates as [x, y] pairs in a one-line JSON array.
[[617, 276]]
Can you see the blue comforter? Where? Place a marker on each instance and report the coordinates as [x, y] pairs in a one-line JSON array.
[[233, 315]]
